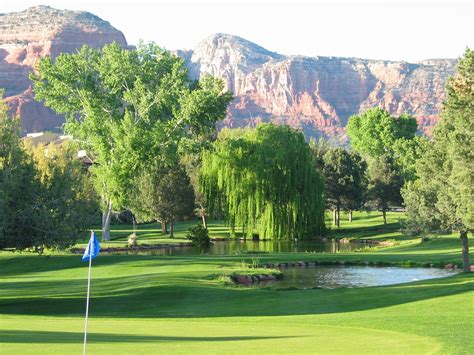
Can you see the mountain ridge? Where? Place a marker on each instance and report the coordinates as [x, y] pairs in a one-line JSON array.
[[36, 32], [318, 94], [315, 94]]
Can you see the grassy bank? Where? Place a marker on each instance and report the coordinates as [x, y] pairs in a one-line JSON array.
[[151, 304], [364, 225]]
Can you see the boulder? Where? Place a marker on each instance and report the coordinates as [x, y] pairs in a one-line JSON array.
[[244, 279]]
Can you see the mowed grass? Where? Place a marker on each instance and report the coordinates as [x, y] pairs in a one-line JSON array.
[[364, 225], [164, 304]]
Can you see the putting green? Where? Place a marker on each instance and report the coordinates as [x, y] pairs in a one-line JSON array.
[[252, 335]]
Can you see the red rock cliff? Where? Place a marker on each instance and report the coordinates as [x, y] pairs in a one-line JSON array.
[[318, 94], [40, 31]]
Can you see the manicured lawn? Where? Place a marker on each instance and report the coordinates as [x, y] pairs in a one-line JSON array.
[[364, 225], [163, 304]]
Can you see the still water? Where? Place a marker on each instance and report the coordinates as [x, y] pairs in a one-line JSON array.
[[352, 276], [237, 247]]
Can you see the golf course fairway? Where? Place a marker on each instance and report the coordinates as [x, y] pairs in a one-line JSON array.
[[144, 304]]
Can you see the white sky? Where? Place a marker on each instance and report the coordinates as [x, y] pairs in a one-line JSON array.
[[401, 30]]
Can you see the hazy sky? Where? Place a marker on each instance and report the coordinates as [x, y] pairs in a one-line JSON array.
[[401, 30]]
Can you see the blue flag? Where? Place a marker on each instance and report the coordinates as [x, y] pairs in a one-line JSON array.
[[93, 246]]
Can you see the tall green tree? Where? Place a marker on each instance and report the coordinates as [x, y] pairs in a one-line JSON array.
[[128, 109], [192, 163], [385, 184], [69, 204], [345, 181], [19, 187], [265, 180], [319, 148], [442, 198], [164, 194], [45, 199], [375, 133], [406, 152], [390, 147]]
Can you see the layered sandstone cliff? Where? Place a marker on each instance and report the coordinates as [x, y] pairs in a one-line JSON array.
[[36, 32], [316, 94]]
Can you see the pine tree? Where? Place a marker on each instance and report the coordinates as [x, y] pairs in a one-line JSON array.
[[442, 198]]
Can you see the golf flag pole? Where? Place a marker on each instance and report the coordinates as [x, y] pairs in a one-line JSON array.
[[91, 252]]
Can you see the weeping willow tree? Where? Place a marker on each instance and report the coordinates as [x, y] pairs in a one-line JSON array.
[[264, 179]]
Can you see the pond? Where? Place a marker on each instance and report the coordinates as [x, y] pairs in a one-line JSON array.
[[352, 276], [237, 247]]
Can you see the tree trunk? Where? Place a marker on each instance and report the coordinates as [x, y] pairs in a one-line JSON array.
[[334, 217], [350, 216], [384, 213], [106, 217], [164, 228], [465, 252], [338, 217], [134, 224], [204, 221], [171, 228]]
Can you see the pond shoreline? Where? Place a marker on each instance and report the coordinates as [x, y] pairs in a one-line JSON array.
[[407, 264], [276, 275], [147, 247], [275, 265]]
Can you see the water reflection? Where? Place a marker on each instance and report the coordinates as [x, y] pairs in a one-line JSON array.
[[236, 247], [353, 276]]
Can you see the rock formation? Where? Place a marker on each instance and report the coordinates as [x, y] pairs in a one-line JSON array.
[[315, 94], [36, 32]]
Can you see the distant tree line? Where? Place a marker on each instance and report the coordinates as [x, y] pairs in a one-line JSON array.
[[151, 134]]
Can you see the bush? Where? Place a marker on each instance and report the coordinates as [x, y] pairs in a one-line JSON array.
[[132, 240], [199, 236]]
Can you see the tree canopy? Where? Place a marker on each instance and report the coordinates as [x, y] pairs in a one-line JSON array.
[[344, 180], [127, 108], [68, 201], [17, 178], [375, 132], [391, 148], [443, 195], [45, 198], [385, 183], [164, 194], [265, 180]]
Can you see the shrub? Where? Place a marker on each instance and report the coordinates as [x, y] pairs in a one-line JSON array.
[[199, 236], [132, 240]]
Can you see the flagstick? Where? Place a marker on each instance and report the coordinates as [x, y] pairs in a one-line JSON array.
[[91, 252]]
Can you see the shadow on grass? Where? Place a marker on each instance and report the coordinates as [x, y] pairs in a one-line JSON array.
[[365, 231], [56, 337], [18, 265], [179, 295], [23, 264]]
